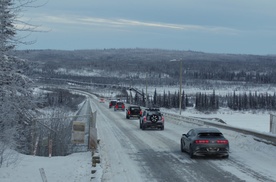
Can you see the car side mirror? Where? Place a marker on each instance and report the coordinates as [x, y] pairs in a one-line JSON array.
[[185, 135]]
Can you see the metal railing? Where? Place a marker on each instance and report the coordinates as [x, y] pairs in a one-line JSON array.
[[258, 136]]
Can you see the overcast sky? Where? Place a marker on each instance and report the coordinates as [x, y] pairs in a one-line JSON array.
[[212, 26]]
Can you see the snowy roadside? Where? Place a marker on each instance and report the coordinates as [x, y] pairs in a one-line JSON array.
[[256, 121], [72, 168]]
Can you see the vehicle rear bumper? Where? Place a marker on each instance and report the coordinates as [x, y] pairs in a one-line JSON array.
[[134, 116], [153, 125], [211, 151], [120, 109]]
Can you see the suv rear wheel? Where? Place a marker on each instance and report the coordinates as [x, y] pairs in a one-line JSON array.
[[143, 127], [191, 152], [182, 146]]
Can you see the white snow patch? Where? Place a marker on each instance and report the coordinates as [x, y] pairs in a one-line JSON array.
[[72, 168]]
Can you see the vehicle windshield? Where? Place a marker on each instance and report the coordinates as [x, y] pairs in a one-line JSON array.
[[155, 113], [210, 134]]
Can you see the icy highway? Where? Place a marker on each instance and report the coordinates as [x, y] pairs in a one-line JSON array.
[[131, 154]]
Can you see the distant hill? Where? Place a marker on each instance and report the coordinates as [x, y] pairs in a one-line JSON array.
[[130, 65]]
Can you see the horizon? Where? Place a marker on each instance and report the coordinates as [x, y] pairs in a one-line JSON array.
[[104, 49]]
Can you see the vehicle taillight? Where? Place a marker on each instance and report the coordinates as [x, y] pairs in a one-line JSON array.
[[123, 106], [141, 113], [116, 106], [222, 141], [145, 118], [163, 119], [201, 141]]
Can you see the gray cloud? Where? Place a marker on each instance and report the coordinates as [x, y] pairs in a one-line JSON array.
[[126, 23]]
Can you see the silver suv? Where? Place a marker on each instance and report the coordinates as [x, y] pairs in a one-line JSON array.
[[152, 118]]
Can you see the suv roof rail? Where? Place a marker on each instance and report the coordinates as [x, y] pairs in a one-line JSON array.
[[153, 109]]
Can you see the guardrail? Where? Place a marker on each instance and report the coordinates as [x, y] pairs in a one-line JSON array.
[[258, 136], [93, 136]]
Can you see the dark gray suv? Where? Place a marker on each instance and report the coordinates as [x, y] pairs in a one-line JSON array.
[[133, 112], [205, 141], [152, 118], [112, 103]]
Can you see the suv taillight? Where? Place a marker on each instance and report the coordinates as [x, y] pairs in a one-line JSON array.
[[163, 119], [123, 106], [116, 106], [201, 141], [141, 113], [144, 118], [128, 112], [222, 141]]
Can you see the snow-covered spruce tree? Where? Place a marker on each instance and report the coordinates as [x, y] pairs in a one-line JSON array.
[[15, 93], [7, 28]]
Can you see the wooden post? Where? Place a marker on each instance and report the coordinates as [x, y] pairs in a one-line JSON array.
[[50, 147], [43, 175]]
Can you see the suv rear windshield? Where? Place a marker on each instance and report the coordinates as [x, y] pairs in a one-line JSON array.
[[113, 102], [210, 134], [154, 112]]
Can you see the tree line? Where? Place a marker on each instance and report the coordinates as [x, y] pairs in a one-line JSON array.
[[206, 102], [16, 105], [21, 127]]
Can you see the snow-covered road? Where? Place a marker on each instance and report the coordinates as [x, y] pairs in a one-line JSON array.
[[130, 154]]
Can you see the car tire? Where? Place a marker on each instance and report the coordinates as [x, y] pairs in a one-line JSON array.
[[127, 116], [143, 127], [191, 152], [225, 156], [181, 146], [162, 128]]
